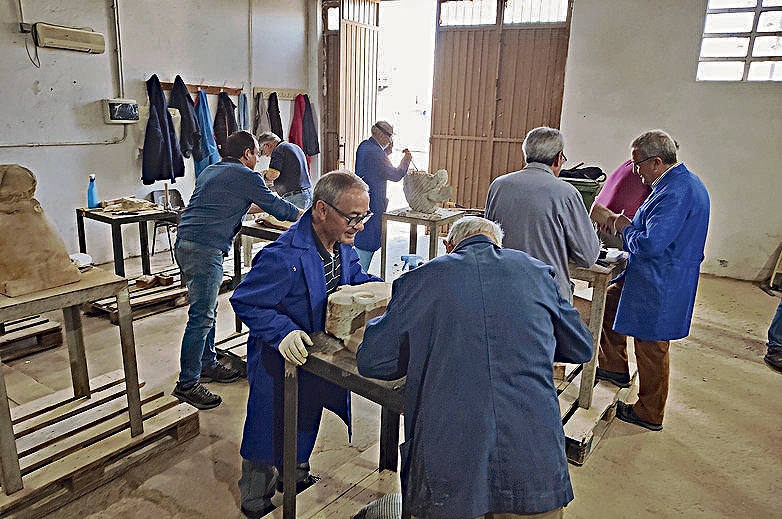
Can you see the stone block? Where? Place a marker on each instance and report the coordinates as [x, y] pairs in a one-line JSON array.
[[351, 306]]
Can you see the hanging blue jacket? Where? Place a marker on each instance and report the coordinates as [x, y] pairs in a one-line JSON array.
[[209, 154], [162, 159], [373, 166], [665, 244], [284, 291], [476, 332]]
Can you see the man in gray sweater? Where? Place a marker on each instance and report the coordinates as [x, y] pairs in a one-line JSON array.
[[541, 214]]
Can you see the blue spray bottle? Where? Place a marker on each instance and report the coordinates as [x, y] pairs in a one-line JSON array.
[[92, 193]]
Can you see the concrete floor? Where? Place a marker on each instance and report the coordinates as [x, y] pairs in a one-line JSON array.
[[720, 454]]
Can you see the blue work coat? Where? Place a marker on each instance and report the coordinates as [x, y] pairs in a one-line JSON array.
[[665, 245], [208, 154], [476, 331], [284, 291], [374, 167]]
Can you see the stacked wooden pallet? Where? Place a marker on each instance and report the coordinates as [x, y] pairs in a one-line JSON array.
[[28, 335], [69, 446]]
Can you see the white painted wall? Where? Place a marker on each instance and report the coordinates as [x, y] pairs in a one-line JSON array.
[[631, 67], [202, 40]]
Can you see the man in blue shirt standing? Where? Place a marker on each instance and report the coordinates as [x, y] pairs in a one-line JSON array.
[[288, 169], [223, 194], [374, 168], [476, 332]]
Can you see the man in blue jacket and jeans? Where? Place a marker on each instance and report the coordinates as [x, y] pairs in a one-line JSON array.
[[476, 332], [223, 194]]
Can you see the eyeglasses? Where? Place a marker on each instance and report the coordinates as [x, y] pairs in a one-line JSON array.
[[637, 164], [352, 221], [564, 159]]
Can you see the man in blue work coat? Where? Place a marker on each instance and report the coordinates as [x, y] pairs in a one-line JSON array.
[[652, 300], [374, 167], [476, 332], [282, 300]]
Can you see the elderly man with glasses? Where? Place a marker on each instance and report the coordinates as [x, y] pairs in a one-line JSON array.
[[283, 300], [541, 214], [652, 300]]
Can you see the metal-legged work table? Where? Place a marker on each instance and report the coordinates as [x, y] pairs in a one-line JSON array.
[[432, 221], [117, 220], [94, 284]]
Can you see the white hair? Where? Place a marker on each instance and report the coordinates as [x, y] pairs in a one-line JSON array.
[[656, 143], [543, 144], [468, 226]]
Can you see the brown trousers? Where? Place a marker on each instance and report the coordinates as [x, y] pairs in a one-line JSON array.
[[557, 513], [652, 358]]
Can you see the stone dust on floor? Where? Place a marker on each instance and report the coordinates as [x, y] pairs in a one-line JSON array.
[[720, 454]]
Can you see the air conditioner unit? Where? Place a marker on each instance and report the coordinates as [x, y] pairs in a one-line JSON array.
[[60, 37]]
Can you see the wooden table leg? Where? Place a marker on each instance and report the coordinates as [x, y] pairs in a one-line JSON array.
[[289, 454], [383, 245], [116, 244], [129, 361], [75, 339], [143, 234], [389, 440], [597, 309], [432, 241], [413, 238], [80, 231], [10, 475]]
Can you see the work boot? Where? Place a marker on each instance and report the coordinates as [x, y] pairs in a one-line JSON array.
[[197, 396], [219, 373], [615, 377], [774, 358], [304, 479]]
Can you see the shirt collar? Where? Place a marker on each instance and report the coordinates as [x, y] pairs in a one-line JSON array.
[[539, 165], [324, 254], [657, 181]]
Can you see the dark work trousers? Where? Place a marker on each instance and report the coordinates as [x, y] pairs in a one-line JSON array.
[[652, 358]]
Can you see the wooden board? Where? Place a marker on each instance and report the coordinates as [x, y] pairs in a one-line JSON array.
[[69, 446], [25, 336]]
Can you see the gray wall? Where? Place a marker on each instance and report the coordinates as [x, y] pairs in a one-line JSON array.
[[203, 40], [631, 67]]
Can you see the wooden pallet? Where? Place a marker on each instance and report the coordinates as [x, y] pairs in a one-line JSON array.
[[69, 446], [233, 349], [585, 427], [25, 336], [148, 301]]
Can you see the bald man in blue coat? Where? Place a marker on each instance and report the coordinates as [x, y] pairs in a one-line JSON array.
[[476, 332]]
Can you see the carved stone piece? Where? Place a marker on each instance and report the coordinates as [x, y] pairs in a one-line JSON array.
[[351, 306], [424, 191], [33, 254]]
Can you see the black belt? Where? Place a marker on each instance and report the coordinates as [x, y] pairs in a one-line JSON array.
[[291, 193]]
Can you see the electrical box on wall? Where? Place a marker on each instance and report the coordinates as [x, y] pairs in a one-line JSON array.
[[120, 111]]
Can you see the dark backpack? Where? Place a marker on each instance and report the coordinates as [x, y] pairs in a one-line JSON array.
[[588, 172]]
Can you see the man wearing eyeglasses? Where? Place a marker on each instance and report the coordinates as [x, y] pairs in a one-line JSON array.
[[652, 300], [541, 214], [283, 300]]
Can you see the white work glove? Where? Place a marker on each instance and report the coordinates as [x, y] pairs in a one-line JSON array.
[[292, 347]]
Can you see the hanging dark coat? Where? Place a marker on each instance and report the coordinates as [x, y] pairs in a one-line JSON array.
[[309, 142], [162, 159], [225, 120], [274, 115], [189, 134]]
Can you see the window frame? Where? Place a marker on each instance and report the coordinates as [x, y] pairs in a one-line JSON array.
[[748, 59]]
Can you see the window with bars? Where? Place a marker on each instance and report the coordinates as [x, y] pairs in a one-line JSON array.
[[484, 12], [742, 41]]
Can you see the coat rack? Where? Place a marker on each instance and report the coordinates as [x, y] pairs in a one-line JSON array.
[[282, 93], [209, 89]]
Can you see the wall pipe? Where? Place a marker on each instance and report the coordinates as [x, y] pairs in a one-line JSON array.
[[120, 89]]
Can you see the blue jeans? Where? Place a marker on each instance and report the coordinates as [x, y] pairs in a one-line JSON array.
[[302, 199], [202, 270], [365, 258], [775, 330]]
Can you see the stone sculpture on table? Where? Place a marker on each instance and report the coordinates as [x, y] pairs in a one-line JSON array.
[[351, 306], [33, 254], [424, 192]]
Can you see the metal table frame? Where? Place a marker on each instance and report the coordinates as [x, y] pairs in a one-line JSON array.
[[330, 361], [432, 222], [116, 221], [94, 284]]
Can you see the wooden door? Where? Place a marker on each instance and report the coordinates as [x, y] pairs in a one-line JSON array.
[[499, 71]]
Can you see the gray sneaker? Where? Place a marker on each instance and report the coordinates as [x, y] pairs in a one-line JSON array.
[[219, 373], [197, 396]]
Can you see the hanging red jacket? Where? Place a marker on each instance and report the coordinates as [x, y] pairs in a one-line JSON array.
[[296, 135]]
